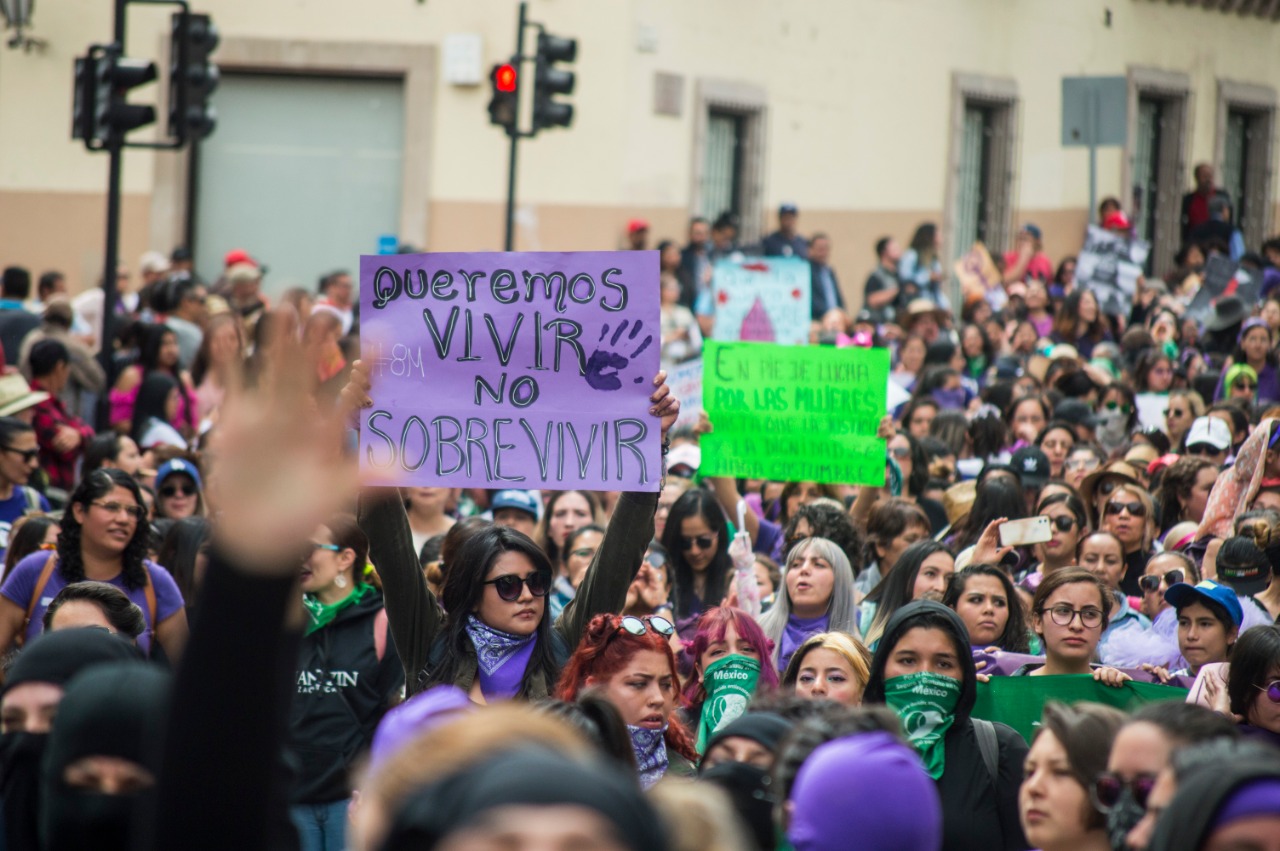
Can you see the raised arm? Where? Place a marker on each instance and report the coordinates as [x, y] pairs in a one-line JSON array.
[[413, 614], [604, 588]]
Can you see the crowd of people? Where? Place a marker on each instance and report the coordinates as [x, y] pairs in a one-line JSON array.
[[219, 639]]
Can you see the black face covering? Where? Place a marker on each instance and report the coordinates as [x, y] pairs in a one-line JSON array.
[[52, 658], [749, 788], [1122, 818], [114, 711]]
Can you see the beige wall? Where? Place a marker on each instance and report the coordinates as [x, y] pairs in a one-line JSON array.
[[857, 93]]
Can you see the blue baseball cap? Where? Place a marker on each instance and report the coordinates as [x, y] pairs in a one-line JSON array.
[[525, 501], [178, 465], [1183, 594]]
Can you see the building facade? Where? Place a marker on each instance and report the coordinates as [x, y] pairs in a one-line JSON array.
[[343, 124]]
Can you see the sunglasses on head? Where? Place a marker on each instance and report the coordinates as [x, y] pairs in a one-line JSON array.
[[901, 452], [1137, 509], [703, 542], [174, 490], [1108, 787], [1271, 690], [508, 587], [1151, 584], [637, 626]]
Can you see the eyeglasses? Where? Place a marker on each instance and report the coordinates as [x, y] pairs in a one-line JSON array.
[[28, 455], [333, 548], [1244, 385], [703, 542], [1271, 690], [583, 552], [1089, 463], [1135, 508], [1063, 523], [1063, 615], [637, 626], [508, 587], [901, 452], [137, 512], [1203, 449], [1107, 486], [1151, 584], [173, 490], [1108, 787], [1124, 409], [1174, 412]]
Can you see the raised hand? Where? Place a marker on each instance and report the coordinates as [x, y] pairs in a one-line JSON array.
[[665, 406]]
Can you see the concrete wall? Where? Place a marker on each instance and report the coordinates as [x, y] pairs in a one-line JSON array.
[[858, 112]]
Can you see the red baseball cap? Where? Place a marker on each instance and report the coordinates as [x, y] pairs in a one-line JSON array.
[[637, 225], [238, 255]]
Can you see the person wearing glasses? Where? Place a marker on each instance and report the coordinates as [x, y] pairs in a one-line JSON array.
[[179, 490], [105, 537], [1184, 407], [19, 459], [579, 548], [1068, 524], [1068, 752], [1240, 384], [630, 661], [1142, 749], [490, 633], [1163, 571], [348, 675], [1254, 350], [1069, 612], [1128, 514], [1253, 684], [697, 541]]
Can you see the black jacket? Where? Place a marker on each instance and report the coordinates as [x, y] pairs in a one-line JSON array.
[[342, 691], [976, 815]]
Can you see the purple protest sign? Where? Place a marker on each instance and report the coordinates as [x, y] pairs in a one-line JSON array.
[[511, 370]]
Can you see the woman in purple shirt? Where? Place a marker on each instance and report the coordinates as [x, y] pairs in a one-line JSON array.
[[105, 537]]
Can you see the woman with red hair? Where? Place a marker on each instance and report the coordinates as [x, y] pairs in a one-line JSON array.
[[629, 660], [732, 661]]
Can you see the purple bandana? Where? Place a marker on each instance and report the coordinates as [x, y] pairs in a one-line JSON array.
[[502, 658], [650, 747], [797, 630]]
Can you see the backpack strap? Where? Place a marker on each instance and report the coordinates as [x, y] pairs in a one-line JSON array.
[[989, 747], [41, 583]]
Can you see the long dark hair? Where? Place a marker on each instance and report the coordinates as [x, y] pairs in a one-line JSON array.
[[1015, 638], [463, 589], [99, 483], [922, 242], [27, 539], [1066, 322], [1253, 659], [915, 483], [152, 396], [700, 503], [995, 497], [896, 589], [182, 544]]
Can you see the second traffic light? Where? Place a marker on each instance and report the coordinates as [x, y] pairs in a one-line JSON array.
[[192, 77], [102, 114], [551, 81]]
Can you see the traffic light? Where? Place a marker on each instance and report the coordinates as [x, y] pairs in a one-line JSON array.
[[551, 81], [504, 80], [192, 77], [101, 112]]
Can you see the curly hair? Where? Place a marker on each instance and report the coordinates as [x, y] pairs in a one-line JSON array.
[[605, 649], [826, 521], [1175, 487], [99, 483]]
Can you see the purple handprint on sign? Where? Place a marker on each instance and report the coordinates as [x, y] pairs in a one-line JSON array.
[[604, 367]]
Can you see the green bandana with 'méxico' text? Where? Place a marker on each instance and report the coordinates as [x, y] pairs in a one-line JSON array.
[[926, 705], [729, 682]]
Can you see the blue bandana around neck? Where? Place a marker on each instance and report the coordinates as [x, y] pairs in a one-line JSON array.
[[502, 658], [650, 748]]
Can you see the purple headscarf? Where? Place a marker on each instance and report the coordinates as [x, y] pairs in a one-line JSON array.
[[420, 713]]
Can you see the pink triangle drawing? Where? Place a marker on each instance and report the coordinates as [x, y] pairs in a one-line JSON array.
[[756, 326]]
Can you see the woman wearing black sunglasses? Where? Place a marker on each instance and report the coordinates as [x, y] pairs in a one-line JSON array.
[[1068, 523], [491, 633], [105, 537], [697, 542], [1253, 683], [1129, 515]]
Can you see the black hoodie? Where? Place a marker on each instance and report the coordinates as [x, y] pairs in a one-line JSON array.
[[976, 816], [343, 690], [1185, 824]]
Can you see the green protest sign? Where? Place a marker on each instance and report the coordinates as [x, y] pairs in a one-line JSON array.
[[1019, 701], [794, 413]]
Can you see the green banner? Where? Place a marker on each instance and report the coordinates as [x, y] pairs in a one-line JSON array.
[[794, 413], [1019, 701]]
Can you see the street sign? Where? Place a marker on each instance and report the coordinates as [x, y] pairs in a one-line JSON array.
[[1095, 111]]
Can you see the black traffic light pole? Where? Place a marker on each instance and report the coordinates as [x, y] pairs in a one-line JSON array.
[[514, 132], [111, 261]]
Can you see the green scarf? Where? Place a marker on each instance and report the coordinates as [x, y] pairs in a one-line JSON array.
[[322, 614], [729, 682], [926, 705]]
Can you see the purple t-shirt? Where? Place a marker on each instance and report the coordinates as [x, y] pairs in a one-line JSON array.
[[20, 584]]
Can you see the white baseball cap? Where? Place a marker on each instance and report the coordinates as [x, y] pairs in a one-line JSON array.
[[1210, 430]]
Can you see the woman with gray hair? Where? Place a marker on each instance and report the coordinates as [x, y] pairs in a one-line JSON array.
[[816, 596]]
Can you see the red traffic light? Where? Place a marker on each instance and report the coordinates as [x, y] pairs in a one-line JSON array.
[[504, 78]]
